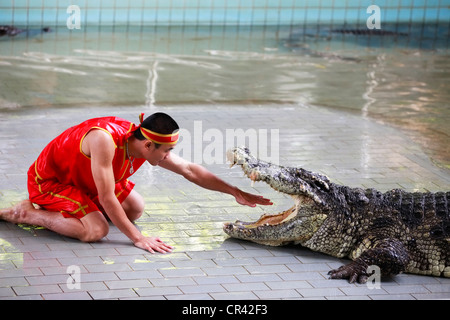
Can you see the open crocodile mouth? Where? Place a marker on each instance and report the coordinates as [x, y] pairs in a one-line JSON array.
[[296, 224]]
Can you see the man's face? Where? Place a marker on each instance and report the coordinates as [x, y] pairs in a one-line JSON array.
[[155, 155]]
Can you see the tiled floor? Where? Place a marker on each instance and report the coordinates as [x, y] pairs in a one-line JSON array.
[[352, 150]]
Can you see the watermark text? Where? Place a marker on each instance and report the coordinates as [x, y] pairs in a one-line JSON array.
[[73, 281], [374, 20], [209, 146], [74, 20], [374, 280]]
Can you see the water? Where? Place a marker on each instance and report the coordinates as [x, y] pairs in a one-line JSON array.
[[400, 79]]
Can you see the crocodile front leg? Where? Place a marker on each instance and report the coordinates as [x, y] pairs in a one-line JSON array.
[[389, 255]]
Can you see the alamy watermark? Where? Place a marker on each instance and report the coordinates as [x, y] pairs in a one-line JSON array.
[[73, 281], [374, 280], [210, 146], [374, 20], [74, 20]]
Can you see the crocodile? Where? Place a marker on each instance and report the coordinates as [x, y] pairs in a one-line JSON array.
[[396, 231], [12, 31], [299, 40]]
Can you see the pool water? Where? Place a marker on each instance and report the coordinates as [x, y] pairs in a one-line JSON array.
[[400, 79]]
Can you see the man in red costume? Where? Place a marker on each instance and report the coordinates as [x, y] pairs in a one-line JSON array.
[[81, 176]]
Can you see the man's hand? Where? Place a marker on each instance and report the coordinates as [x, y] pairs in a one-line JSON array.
[[250, 200], [153, 244]]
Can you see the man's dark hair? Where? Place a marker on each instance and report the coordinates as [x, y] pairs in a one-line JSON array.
[[158, 122]]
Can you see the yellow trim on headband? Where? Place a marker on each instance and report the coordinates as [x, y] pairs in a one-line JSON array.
[[153, 136]]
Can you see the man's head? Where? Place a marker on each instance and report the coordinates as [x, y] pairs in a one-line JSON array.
[[159, 135], [158, 123]]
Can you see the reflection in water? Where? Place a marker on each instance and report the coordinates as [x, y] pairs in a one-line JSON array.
[[151, 85]]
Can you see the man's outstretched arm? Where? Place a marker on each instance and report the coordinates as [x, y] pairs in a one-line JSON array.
[[206, 179]]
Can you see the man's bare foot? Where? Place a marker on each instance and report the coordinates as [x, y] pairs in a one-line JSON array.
[[17, 213]]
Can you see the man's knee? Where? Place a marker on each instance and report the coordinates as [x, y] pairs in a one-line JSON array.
[[94, 234], [135, 212], [134, 206], [95, 228]]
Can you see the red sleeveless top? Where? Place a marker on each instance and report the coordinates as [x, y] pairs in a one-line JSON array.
[[64, 161]]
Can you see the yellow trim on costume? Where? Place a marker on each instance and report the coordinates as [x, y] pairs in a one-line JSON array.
[[35, 170], [37, 177], [131, 127], [96, 128], [80, 206], [123, 189]]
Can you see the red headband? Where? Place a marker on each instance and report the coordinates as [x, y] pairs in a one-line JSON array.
[[158, 137]]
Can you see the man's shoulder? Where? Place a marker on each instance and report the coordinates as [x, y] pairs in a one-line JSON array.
[[108, 120], [110, 124], [98, 139]]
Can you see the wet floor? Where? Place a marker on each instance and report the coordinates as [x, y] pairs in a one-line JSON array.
[[205, 264]]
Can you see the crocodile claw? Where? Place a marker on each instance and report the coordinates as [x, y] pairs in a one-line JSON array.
[[354, 272]]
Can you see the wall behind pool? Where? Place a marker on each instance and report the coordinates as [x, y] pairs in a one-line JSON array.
[[220, 12]]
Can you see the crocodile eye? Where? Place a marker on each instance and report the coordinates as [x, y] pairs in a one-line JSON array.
[[446, 228], [436, 232]]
